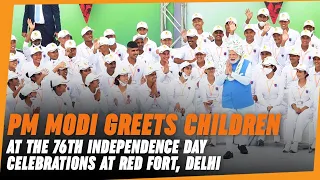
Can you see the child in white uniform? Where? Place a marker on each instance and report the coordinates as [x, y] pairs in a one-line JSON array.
[[300, 109], [270, 92], [211, 95], [182, 95], [123, 98]]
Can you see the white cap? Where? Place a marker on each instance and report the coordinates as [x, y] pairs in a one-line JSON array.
[[231, 19], [270, 60], [13, 38], [163, 48], [185, 64], [13, 57], [306, 33], [142, 24], [302, 67], [309, 23], [166, 35], [35, 50], [103, 41], [200, 50], [209, 64], [83, 65], [57, 80], [51, 47], [12, 75], [65, 67], [277, 30], [63, 33], [191, 33], [108, 32], [266, 48], [32, 71], [91, 77], [28, 88], [110, 58], [85, 30], [263, 11], [120, 70], [70, 44], [248, 26], [217, 28], [196, 15], [150, 69], [294, 51], [138, 36], [316, 54], [35, 35], [284, 16]]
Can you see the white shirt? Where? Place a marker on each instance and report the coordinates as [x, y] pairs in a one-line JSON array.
[[147, 58], [23, 108], [251, 51], [314, 77], [267, 38], [84, 51], [257, 74], [121, 51], [182, 93], [185, 53], [289, 74], [21, 60], [219, 56], [62, 51], [76, 87], [27, 51], [30, 65], [97, 62], [306, 57], [127, 101], [203, 38], [301, 96], [153, 105], [170, 76], [150, 47], [270, 92], [106, 83], [135, 71], [41, 20], [197, 72], [315, 42], [56, 104], [293, 37], [87, 103], [211, 92], [10, 100], [279, 53]]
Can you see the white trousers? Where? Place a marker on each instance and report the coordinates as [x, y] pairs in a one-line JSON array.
[[243, 140], [275, 110], [295, 124]]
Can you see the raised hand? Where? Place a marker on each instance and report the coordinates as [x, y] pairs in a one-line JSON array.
[[249, 14], [31, 25]]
